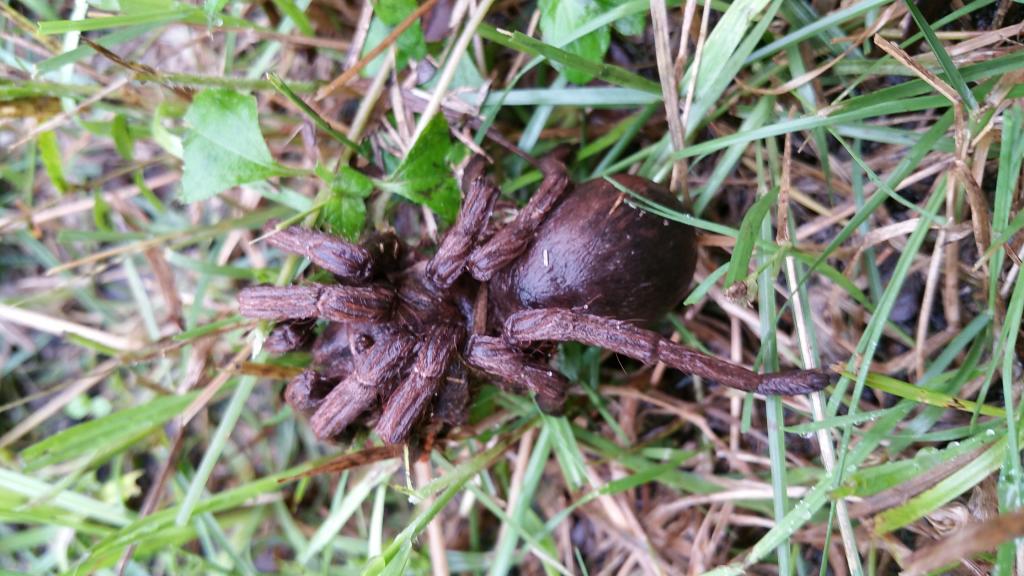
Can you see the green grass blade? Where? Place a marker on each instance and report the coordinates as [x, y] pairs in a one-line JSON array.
[[952, 74]]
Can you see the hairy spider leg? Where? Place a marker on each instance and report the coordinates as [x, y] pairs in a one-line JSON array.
[[508, 243], [450, 260], [376, 372], [516, 372], [564, 325], [349, 262], [334, 302], [416, 392]]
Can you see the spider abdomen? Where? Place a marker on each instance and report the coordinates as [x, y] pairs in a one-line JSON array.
[[595, 251]]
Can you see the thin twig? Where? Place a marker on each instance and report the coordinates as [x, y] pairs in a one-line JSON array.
[[377, 50]]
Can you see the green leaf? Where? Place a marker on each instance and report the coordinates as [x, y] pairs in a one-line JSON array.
[[297, 15], [345, 216], [122, 137], [105, 433], [749, 229], [960, 481], [49, 153], [705, 286], [466, 76], [346, 506], [424, 177], [167, 140], [223, 146], [952, 74], [214, 7], [322, 124], [350, 182], [144, 6], [567, 450], [607, 72], [345, 211], [100, 212], [392, 12], [397, 566], [58, 499], [921, 395], [632, 25], [410, 44], [559, 18], [50, 27]]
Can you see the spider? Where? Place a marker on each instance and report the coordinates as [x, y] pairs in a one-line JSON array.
[[578, 263]]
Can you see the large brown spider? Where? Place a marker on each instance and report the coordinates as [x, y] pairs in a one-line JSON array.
[[576, 264]]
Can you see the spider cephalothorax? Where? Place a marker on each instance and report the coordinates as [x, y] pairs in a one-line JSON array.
[[577, 263]]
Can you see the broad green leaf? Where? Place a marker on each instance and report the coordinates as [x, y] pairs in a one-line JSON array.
[[345, 216], [223, 146], [560, 18], [466, 76], [632, 25], [345, 211], [424, 176], [392, 12], [350, 182]]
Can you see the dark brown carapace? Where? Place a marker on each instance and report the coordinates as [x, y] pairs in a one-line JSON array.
[[578, 263]]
